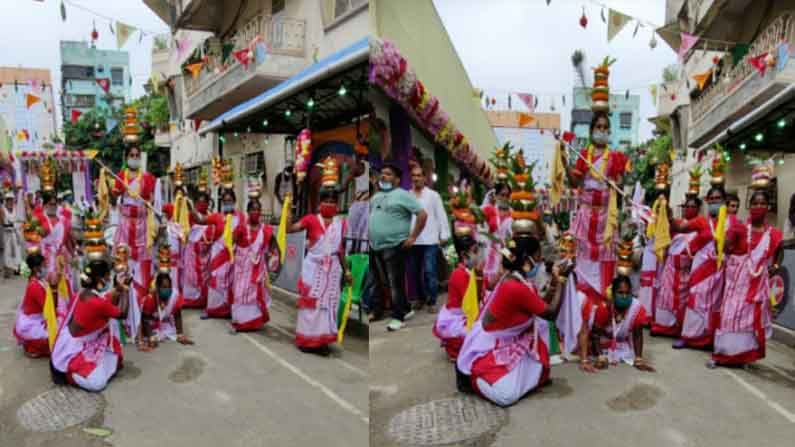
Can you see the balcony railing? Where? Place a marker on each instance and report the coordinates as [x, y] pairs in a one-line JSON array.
[[782, 29], [281, 35]]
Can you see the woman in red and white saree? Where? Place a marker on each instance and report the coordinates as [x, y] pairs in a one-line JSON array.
[[256, 254], [135, 189], [596, 223], [705, 285], [224, 230], [88, 351], [620, 338], [672, 295], [745, 319], [498, 217], [450, 326], [322, 272], [30, 327], [196, 256], [57, 244], [505, 354], [162, 313]]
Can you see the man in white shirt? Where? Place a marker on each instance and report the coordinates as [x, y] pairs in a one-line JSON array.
[[424, 254]]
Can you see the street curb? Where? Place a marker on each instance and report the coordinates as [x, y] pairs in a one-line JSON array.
[[356, 328], [784, 335]]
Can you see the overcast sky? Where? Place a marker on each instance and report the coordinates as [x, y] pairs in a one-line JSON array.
[[526, 46], [30, 32]]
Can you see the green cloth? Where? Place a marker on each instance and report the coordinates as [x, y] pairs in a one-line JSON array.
[[358, 263], [554, 344], [738, 52], [390, 218]]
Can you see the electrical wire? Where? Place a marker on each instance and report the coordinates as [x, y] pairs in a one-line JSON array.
[[109, 18]]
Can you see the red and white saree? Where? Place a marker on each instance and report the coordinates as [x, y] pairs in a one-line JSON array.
[[251, 298]]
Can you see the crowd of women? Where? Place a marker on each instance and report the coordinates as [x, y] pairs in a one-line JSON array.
[[704, 278], [84, 300]]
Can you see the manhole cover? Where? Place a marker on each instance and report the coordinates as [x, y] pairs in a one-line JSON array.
[[58, 409], [446, 421]]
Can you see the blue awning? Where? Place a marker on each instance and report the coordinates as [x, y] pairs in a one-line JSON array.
[[329, 66]]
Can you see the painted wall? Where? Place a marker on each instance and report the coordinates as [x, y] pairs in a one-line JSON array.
[[38, 121], [273, 148], [80, 53], [417, 31]]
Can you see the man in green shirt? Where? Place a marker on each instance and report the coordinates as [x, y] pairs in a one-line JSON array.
[[391, 235]]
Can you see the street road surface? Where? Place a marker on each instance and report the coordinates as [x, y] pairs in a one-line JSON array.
[[227, 390], [683, 404]]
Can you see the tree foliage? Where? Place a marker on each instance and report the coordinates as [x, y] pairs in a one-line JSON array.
[[645, 157], [92, 131]]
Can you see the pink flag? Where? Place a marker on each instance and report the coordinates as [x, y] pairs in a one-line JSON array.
[[104, 83], [688, 40], [759, 63], [528, 100]]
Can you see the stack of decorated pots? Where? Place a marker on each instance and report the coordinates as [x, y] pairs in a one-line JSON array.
[[94, 237], [600, 95], [329, 177], [131, 131], [694, 186]]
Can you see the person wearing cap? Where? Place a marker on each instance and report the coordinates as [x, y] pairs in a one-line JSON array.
[[285, 183], [256, 255], [391, 236], [12, 240]]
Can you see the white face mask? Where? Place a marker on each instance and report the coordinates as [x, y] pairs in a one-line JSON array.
[[600, 137], [134, 163]]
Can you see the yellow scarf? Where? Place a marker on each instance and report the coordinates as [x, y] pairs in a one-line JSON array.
[[229, 237], [556, 175], [720, 233], [103, 194], [660, 229], [281, 234], [602, 169], [469, 304], [49, 315], [181, 214]]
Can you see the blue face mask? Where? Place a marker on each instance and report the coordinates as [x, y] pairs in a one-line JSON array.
[[714, 209], [385, 186], [104, 288], [622, 302], [227, 208], [164, 294], [533, 272]]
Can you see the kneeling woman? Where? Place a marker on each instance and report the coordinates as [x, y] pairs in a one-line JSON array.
[[88, 352], [451, 322], [30, 328], [162, 313], [505, 353], [620, 338]]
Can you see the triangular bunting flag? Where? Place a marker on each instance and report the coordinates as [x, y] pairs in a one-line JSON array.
[[195, 69], [688, 40], [528, 100], [616, 23], [104, 84], [243, 56], [111, 124], [701, 79], [525, 119], [32, 99], [76, 116], [123, 33], [759, 63]]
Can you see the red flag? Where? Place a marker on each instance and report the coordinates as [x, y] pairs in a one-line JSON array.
[[105, 84], [759, 63], [242, 56], [76, 116], [528, 100], [568, 137], [197, 123]]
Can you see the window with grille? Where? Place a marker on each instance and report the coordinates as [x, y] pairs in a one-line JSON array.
[[338, 9], [80, 100], [77, 72], [625, 120], [117, 76], [255, 163]]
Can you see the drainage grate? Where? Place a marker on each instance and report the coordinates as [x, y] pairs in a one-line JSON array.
[[59, 408], [446, 421]]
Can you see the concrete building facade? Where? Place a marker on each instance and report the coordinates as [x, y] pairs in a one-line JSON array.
[[27, 108], [84, 70]]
